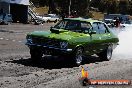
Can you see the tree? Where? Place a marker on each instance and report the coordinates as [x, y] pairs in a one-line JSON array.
[[123, 6], [82, 6]]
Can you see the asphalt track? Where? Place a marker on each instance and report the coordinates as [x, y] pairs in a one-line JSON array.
[[17, 70]]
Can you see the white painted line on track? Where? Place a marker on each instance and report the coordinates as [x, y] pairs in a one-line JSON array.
[[1, 38], [13, 40]]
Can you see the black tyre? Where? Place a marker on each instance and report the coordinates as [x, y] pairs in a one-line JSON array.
[[55, 21], [36, 54], [78, 56], [5, 23], [48, 21], [106, 54]]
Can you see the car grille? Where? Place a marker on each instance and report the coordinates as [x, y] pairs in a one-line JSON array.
[[46, 42]]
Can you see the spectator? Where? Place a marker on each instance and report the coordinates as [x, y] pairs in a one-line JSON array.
[[117, 22]]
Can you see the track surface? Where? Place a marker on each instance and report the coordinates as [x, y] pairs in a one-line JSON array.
[[17, 70]]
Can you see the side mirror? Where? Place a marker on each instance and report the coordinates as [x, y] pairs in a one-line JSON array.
[[92, 32]]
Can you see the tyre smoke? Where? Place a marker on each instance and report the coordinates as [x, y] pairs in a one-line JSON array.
[[124, 49]]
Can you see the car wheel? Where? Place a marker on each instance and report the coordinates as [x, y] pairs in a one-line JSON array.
[[44, 21], [48, 21], [36, 54], [55, 21], [78, 56], [5, 23], [107, 53]]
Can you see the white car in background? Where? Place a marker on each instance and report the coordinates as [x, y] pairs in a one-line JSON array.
[[48, 18], [44, 19], [127, 23], [51, 18]]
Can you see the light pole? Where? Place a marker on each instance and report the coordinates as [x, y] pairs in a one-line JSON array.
[[70, 8], [9, 6]]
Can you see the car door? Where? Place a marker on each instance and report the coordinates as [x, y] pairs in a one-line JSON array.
[[96, 39], [104, 35], [86, 41]]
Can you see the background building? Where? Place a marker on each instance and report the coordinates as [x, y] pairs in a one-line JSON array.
[[18, 9]]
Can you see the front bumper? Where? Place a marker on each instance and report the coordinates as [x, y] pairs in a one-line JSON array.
[[52, 49]]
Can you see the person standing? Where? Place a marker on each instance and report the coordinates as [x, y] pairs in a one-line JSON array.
[[117, 22]]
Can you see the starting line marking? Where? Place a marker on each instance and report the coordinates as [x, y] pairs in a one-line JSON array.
[[1, 38], [12, 40]]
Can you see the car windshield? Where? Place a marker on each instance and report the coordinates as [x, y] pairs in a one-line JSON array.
[[73, 25], [47, 16]]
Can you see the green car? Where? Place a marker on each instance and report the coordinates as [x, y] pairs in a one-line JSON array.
[[74, 37]]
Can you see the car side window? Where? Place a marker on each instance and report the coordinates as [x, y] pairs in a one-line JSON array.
[[61, 24], [95, 27], [85, 27], [73, 25], [102, 28]]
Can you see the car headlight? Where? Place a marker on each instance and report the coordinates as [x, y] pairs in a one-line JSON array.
[[63, 45]]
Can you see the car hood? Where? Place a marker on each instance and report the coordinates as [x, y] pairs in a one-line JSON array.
[[62, 35]]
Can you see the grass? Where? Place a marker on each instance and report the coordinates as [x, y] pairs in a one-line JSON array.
[[97, 15], [41, 10]]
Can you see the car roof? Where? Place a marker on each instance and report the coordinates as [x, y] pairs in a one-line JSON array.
[[108, 19], [83, 19]]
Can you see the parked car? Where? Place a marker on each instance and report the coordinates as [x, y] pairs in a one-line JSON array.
[[51, 18], [73, 37], [40, 19], [5, 18], [126, 23], [109, 22], [45, 18]]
